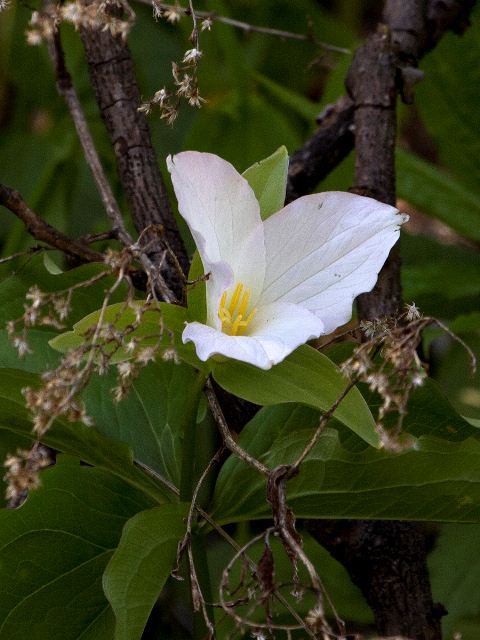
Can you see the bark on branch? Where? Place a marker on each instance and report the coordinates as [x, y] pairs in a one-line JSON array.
[[334, 139], [113, 78], [387, 560], [41, 230]]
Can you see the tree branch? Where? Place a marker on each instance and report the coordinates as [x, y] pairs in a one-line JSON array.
[[387, 560], [43, 231], [113, 78], [67, 91], [334, 139]]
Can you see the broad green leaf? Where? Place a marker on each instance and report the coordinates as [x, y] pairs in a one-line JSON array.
[[141, 565], [455, 574], [40, 358], [466, 322], [150, 419], [54, 549], [75, 439], [305, 376], [162, 327], [13, 289], [449, 101], [436, 480], [30, 271], [268, 179], [438, 194], [430, 413]]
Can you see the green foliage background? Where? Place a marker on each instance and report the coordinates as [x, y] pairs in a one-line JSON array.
[[261, 93]]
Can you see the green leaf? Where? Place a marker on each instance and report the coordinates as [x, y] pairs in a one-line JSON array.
[[162, 327], [50, 265], [347, 598], [13, 289], [54, 549], [242, 116], [268, 179], [151, 418], [449, 101], [297, 102], [455, 574], [430, 413], [305, 376], [438, 194], [141, 565], [73, 438], [436, 480], [466, 322], [27, 272], [41, 358]]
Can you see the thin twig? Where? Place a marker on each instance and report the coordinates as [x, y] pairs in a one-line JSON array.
[[322, 424], [227, 436], [470, 353], [43, 231], [222, 533], [197, 594], [241, 552], [67, 91], [250, 28], [69, 94], [23, 254], [334, 139], [90, 238]]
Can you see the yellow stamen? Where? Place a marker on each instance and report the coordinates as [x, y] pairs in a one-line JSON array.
[[232, 316], [244, 303], [235, 298]]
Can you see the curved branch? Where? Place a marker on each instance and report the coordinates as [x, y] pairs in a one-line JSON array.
[[43, 231]]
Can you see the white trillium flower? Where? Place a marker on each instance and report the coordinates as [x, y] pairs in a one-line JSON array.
[[277, 283]]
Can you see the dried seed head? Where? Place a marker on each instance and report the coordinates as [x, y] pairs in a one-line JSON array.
[[172, 14], [192, 55], [413, 312]]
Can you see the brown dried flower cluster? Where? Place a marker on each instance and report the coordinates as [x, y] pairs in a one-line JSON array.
[[44, 309], [58, 395], [23, 470], [115, 16], [388, 362], [108, 340]]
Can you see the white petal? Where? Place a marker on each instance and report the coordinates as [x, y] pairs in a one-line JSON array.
[[276, 331], [209, 342], [223, 214], [325, 249], [281, 327]]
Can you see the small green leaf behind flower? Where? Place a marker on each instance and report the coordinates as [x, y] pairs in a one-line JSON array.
[[159, 327], [268, 179]]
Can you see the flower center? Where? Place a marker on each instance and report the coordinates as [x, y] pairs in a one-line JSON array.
[[234, 316]]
